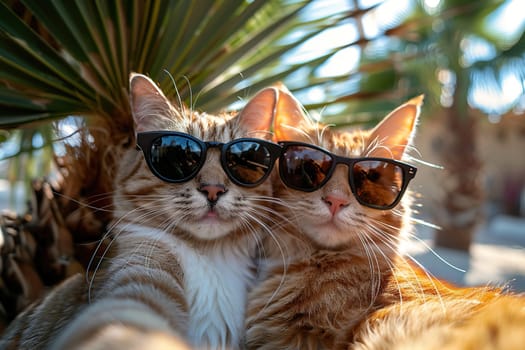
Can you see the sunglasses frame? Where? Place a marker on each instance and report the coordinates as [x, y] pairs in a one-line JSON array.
[[408, 170], [145, 140]]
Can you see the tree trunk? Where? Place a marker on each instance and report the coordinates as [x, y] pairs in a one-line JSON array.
[[462, 204]]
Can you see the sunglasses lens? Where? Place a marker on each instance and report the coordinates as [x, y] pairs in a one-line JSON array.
[[175, 157], [377, 183], [304, 168], [248, 162]]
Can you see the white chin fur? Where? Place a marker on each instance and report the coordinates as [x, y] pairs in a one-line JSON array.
[[328, 235], [210, 230]]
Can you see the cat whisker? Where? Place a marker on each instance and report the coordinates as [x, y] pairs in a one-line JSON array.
[[432, 280], [259, 239], [400, 285], [384, 224], [273, 213], [299, 131], [287, 219], [255, 219], [372, 263], [106, 235], [293, 207], [321, 132], [393, 246], [390, 242], [192, 107], [411, 148], [428, 247], [372, 145], [179, 99], [109, 232], [436, 254], [190, 90], [259, 246], [86, 205], [275, 239], [425, 223], [167, 224], [268, 199]]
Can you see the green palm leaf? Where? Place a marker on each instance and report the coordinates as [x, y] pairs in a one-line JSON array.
[[96, 44]]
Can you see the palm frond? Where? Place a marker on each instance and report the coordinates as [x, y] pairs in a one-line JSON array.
[[84, 69]]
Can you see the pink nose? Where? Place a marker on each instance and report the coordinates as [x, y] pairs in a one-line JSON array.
[[335, 203], [212, 192]]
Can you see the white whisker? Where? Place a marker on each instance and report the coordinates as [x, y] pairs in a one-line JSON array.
[[425, 223], [443, 260], [420, 161]]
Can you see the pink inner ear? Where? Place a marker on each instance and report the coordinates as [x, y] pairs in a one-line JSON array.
[[151, 110], [290, 119], [391, 137], [142, 89], [257, 116]]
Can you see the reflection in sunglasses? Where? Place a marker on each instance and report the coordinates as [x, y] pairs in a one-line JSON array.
[[177, 157], [376, 182]]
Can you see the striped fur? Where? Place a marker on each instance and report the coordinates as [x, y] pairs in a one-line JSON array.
[[172, 275], [338, 282]]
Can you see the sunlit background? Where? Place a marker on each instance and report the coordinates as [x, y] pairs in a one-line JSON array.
[[507, 24]]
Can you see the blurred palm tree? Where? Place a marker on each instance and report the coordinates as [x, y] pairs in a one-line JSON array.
[[432, 52], [453, 72]]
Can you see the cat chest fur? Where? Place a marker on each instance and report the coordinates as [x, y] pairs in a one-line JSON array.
[[216, 288], [216, 284]]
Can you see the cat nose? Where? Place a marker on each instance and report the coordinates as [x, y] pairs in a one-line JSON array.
[[212, 192], [335, 203]]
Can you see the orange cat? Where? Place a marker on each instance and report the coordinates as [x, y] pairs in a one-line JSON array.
[[333, 278]]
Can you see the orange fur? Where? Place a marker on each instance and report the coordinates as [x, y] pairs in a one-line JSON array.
[[324, 273], [339, 282]]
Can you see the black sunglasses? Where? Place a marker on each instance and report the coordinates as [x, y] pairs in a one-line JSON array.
[[177, 157], [375, 182]]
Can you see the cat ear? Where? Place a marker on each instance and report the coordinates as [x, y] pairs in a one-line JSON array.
[[151, 110], [257, 116], [290, 117], [395, 132]]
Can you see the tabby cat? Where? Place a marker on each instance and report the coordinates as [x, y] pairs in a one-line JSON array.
[[332, 276], [191, 204]]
